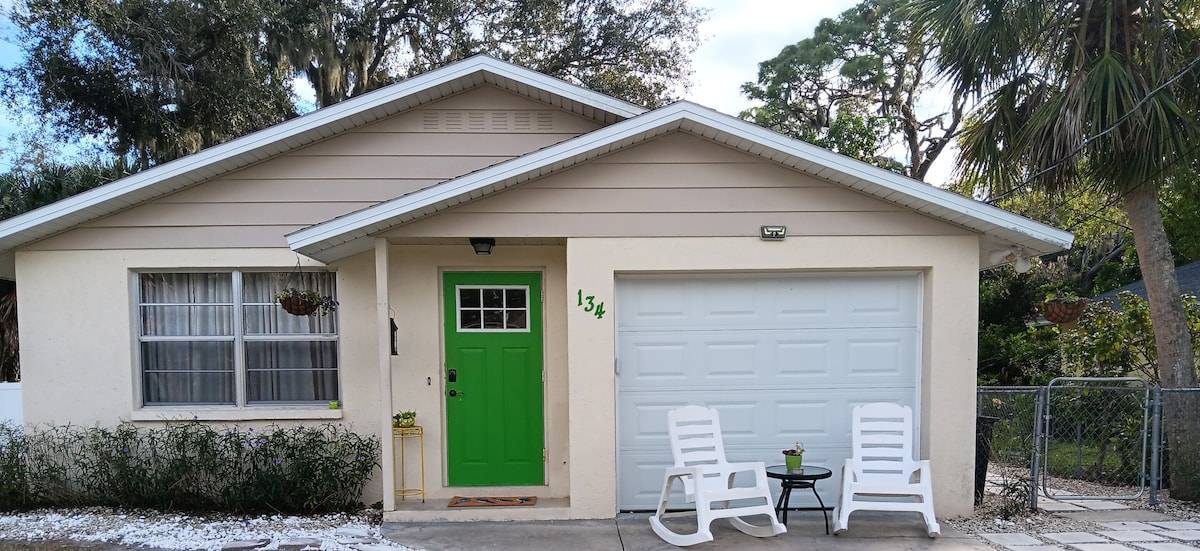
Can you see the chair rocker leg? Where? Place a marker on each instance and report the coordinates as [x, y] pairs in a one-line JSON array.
[[773, 528], [931, 524], [702, 534]]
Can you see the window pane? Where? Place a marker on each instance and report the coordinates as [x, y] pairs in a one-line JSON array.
[[493, 298], [270, 319], [263, 316], [181, 288], [273, 386], [187, 356], [205, 321], [493, 319], [470, 319], [187, 372], [514, 319], [302, 371], [185, 387], [469, 298], [515, 298]]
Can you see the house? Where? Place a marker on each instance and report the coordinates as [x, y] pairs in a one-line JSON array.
[[1187, 274], [639, 260]]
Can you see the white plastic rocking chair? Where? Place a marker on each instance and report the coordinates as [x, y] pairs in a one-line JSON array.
[[707, 478], [882, 468]]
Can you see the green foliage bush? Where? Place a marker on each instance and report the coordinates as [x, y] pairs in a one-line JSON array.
[[1111, 342], [186, 466]]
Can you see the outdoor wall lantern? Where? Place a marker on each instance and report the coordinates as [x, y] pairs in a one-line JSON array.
[[772, 233], [483, 245]]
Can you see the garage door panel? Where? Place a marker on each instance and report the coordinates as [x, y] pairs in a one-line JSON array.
[[783, 358], [724, 359], [888, 356], [767, 302], [768, 417]]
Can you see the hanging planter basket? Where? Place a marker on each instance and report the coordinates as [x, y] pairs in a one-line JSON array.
[[298, 306], [303, 302], [1063, 312]]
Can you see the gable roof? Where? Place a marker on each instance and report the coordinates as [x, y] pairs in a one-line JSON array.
[[1002, 230], [299, 132], [1189, 282]]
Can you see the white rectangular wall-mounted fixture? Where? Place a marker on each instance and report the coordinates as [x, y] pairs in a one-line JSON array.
[[772, 233]]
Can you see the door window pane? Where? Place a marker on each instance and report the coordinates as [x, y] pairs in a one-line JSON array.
[[493, 308]]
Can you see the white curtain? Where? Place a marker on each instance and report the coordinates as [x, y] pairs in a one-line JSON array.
[[189, 335]]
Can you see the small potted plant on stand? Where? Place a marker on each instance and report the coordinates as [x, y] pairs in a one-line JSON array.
[[793, 458], [404, 419]]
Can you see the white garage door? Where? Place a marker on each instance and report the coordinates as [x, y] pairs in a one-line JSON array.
[[783, 358]]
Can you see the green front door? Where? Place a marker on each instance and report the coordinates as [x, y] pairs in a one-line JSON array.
[[494, 416]]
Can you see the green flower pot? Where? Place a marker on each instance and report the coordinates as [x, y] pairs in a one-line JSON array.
[[793, 461]]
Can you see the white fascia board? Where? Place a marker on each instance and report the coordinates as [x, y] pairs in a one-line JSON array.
[[335, 233], [276, 139]]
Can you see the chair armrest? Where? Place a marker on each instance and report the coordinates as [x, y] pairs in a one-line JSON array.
[[696, 471]]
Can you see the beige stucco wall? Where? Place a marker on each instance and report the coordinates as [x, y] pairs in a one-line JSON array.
[[78, 335], [418, 378], [947, 383]]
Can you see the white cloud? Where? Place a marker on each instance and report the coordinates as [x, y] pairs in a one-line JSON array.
[[739, 35]]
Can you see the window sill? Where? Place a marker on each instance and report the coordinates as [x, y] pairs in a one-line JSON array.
[[234, 414]]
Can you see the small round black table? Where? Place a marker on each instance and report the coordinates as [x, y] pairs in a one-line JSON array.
[[805, 477]]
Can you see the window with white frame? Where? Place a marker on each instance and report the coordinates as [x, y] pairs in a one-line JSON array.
[[219, 338]]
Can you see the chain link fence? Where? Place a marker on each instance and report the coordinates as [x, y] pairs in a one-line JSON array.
[[1076, 438]]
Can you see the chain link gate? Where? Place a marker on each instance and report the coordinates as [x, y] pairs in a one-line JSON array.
[[1093, 429]]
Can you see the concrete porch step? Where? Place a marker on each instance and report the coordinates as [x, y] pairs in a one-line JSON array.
[[436, 510]]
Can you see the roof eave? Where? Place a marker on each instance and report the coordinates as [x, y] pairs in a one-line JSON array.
[[301, 131], [331, 240]]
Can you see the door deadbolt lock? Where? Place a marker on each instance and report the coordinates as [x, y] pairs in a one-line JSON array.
[[452, 376]]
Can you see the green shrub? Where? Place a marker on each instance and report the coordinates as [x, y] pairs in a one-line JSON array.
[[186, 466]]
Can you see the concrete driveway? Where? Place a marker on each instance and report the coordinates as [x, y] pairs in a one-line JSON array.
[[631, 532]]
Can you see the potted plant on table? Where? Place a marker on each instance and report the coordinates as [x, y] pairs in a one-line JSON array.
[[793, 458], [404, 419]]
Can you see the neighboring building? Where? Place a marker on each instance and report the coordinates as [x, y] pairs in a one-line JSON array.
[[628, 276], [1189, 282]]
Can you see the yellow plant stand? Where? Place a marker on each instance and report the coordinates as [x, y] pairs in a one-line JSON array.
[[400, 437]]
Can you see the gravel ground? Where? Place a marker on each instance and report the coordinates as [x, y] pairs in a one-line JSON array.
[[989, 517], [103, 529]]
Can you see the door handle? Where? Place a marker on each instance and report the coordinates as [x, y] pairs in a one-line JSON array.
[[454, 393]]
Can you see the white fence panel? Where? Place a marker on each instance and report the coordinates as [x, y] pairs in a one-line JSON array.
[[10, 403]]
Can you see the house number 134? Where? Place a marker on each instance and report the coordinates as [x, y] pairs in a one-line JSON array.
[[589, 304]]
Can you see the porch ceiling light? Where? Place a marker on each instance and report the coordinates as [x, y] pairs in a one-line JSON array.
[[483, 245]]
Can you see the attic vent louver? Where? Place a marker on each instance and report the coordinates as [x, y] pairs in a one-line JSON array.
[[487, 121]]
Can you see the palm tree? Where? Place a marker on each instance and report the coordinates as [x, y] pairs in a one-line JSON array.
[[1096, 94]]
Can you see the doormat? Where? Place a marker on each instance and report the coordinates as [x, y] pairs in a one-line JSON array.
[[491, 501]]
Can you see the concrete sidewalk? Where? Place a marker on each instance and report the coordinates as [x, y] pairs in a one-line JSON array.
[[631, 532]]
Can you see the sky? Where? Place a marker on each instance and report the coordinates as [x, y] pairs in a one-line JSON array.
[[738, 35]]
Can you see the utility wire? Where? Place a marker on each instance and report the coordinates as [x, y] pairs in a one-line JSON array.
[[1141, 103]]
